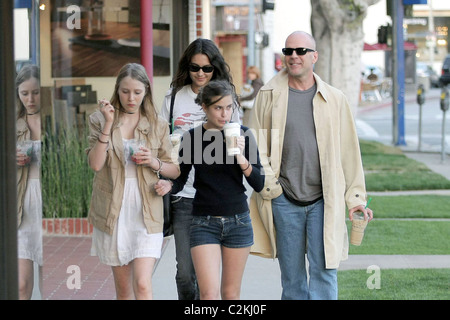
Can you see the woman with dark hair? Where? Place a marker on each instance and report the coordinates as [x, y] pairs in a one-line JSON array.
[[201, 62], [208, 48], [221, 232], [29, 194], [126, 212]]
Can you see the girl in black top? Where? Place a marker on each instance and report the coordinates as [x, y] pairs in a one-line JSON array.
[[221, 230]]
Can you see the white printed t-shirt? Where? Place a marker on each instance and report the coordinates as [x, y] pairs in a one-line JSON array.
[[186, 115]]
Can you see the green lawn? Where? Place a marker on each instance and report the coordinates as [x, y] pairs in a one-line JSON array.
[[404, 237], [399, 228], [395, 284], [411, 206], [387, 168]]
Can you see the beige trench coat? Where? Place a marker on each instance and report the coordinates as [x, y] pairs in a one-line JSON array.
[[23, 133], [109, 182], [340, 163]]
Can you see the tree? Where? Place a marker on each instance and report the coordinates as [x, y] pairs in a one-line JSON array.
[[337, 27]]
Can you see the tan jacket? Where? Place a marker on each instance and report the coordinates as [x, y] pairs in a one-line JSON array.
[[22, 133], [108, 185], [340, 163]]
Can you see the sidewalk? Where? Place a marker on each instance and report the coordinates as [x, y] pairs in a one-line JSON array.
[[261, 277]]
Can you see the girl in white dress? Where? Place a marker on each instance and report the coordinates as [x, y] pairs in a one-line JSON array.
[[125, 210], [28, 158]]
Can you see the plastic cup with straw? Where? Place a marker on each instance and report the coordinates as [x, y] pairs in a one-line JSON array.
[[359, 224]]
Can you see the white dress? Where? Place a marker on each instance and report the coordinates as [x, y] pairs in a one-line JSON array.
[[29, 234], [130, 239]]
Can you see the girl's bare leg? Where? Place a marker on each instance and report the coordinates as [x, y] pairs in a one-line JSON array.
[[142, 278], [233, 265], [207, 259], [26, 279]]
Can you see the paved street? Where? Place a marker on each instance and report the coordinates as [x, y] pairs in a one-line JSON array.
[[374, 122]]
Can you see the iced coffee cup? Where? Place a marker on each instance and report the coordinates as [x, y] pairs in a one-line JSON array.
[[232, 130], [175, 138], [24, 150], [135, 147], [358, 226]]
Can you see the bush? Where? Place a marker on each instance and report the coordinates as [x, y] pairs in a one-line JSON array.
[[66, 176]]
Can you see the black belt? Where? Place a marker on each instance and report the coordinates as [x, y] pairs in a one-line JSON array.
[[301, 203]]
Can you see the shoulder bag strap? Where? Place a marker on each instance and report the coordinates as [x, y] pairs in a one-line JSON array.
[[172, 100]]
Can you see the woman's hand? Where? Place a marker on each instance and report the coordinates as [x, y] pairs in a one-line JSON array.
[[144, 157], [163, 186], [107, 110], [240, 141], [22, 159]]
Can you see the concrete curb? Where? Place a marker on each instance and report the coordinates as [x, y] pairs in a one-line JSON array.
[[396, 262]]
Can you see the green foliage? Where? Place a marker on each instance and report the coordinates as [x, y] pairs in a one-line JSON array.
[[66, 176]]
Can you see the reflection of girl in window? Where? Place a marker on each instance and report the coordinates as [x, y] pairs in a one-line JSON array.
[[28, 158]]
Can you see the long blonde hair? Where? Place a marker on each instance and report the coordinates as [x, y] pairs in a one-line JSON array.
[[137, 72]]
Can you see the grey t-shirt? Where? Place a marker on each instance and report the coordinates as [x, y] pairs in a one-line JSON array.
[[300, 174]]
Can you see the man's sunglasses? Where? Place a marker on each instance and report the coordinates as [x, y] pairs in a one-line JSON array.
[[206, 69], [298, 51]]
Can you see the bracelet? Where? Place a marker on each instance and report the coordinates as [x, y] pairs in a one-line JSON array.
[[99, 140], [105, 134], [159, 169], [247, 167]]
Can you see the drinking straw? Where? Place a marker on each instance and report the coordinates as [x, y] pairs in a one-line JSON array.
[[370, 199]]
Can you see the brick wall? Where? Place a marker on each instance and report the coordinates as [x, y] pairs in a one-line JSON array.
[[196, 16]]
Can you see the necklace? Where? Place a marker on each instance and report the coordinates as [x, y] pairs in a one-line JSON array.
[[124, 111], [31, 114]]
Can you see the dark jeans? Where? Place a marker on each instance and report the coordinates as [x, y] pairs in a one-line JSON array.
[[185, 278]]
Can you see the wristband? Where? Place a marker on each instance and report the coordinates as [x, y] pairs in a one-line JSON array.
[[104, 142], [247, 167]]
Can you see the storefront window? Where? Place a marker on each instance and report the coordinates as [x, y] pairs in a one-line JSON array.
[[28, 150], [79, 47]]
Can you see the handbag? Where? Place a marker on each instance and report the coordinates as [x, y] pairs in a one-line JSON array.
[[168, 219], [168, 224]]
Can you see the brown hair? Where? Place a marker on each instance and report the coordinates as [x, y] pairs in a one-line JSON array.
[[255, 70]]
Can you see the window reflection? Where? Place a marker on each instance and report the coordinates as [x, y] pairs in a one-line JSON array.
[[82, 49], [28, 159]]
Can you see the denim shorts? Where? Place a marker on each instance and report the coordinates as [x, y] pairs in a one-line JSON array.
[[229, 231]]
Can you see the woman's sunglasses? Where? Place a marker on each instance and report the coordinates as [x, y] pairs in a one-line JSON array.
[[205, 69], [298, 51]]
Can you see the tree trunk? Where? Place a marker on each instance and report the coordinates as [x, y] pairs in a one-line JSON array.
[[337, 27]]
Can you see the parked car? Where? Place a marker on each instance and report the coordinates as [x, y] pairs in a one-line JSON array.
[[425, 70], [445, 75]]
